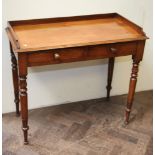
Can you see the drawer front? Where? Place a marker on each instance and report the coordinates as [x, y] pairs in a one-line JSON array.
[[40, 58], [111, 50], [122, 49], [70, 54], [56, 56]]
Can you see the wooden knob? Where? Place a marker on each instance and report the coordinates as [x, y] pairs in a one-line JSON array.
[[56, 55], [113, 49]]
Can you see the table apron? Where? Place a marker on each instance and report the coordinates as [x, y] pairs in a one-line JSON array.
[[74, 54]]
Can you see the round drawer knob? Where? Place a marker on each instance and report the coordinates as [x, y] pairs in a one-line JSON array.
[[113, 50], [56, 55]]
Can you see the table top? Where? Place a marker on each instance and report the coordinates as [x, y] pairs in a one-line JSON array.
[[53, 33]]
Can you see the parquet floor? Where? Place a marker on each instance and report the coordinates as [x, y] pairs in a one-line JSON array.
[[93, 127]]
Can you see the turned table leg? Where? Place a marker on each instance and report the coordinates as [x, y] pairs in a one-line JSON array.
[[110, 75], [15, 80], [23, 94], [132, 86], [137, 57]]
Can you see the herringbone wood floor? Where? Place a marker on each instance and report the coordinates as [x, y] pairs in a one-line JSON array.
[[92, 127]]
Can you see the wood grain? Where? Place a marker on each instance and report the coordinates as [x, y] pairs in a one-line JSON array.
[[48, 35]]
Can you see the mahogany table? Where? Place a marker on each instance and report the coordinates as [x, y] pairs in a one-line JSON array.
[[69, 39]]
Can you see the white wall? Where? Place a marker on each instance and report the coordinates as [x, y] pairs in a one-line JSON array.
[[57, 84]]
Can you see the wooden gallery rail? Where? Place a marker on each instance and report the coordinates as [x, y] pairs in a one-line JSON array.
[[69, 39]]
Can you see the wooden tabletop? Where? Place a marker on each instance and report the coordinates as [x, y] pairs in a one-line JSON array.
[[52, 34]]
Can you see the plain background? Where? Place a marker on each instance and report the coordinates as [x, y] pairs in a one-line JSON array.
[[64, 83]]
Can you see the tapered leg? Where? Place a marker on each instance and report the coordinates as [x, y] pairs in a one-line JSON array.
[[110, 75], [23, 94], [15, 80], [132, 86]]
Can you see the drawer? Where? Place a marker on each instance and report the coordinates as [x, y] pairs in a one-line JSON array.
[[39, 58], [111, 50], [69, 54], [122, 49], [56, 56]]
